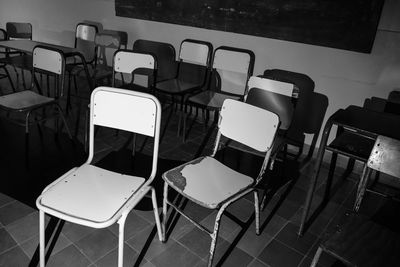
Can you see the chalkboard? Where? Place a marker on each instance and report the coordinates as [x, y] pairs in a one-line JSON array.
[[343, 24]]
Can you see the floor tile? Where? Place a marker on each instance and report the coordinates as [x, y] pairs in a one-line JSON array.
[[257, 263], [133, 224], [111, 258], [97, 244], [290, 238], [148, 244], [25, 228], [253, 244], [31, 246], [175, 255], [13, 211], [6, 241], [276, 254], [69, 256], [14, 257], [76, 232], [4, 199]]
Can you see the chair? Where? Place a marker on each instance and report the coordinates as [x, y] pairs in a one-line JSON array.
[[107, 44], [305, 86], [85, 35], [19, 31], [231, 69], [211, 184], [193, 67], [127, 63], [384, 158], [165, 55], [28, 102], [6, 74], [360, 241], [275, 96], [95, 197]]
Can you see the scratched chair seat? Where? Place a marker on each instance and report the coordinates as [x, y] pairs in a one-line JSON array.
[[207, 182], [98, 194]]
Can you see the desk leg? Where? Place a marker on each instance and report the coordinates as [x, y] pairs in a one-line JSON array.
[[314, 178]]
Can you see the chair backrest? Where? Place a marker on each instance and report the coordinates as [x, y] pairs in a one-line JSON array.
[[51, 61], [250, 125], [3, 35], [304, 86], [385, 156], [129, 62], [19, 30], [164, 53], [272, 95], [231, 69], [126, 110], [85, 35], [107, 44], [194, 61]]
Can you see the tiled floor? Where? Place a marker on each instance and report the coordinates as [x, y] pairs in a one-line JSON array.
[[277, 245]]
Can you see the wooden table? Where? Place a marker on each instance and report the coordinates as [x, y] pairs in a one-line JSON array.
[[27, 47], [358, 122]]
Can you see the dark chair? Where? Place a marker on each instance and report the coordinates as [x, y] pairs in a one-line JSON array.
[[17, 59], [193, 68], [3, 66], [165, 55], [231, 70], [33, 105], [359, 241], [85, 35], [304, 86]]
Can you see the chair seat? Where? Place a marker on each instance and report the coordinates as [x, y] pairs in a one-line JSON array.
[[211, 99], [176, 86], [207, 182], [23, 99], [90, 193], [20, 61]]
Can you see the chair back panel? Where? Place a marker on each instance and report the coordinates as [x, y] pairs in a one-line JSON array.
[[195, 53], [126, 61], [232, 82], [126, 110], [165, 54], [107, 45], [19, 30], [247, 124], [385, 156], [234, 61], [48, 60], [274, 96], [85, 36], [3, 35]]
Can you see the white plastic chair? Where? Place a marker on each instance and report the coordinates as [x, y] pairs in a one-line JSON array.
[[211, 184], [95, 197]]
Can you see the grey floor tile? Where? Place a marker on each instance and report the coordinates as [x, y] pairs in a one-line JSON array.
[[13, 211], [6, 241], [133, 224], [69, 256], [14, 257], [175, 255], [276, 254], [111, 258], [97, 244]]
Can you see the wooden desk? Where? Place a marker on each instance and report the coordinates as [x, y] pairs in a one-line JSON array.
[[27, 47], [358, 122]]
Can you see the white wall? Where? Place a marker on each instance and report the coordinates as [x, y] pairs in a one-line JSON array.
[[345, 77]]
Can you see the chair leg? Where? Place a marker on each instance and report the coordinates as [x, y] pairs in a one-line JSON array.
[[362, 186], [257, 212], [64, 121], [164, 213], [156, 216], [121, 223], [316, 257], [41, 239], [214, 236]]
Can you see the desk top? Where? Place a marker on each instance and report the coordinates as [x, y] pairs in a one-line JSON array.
[[27, 46], [368, 121]]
